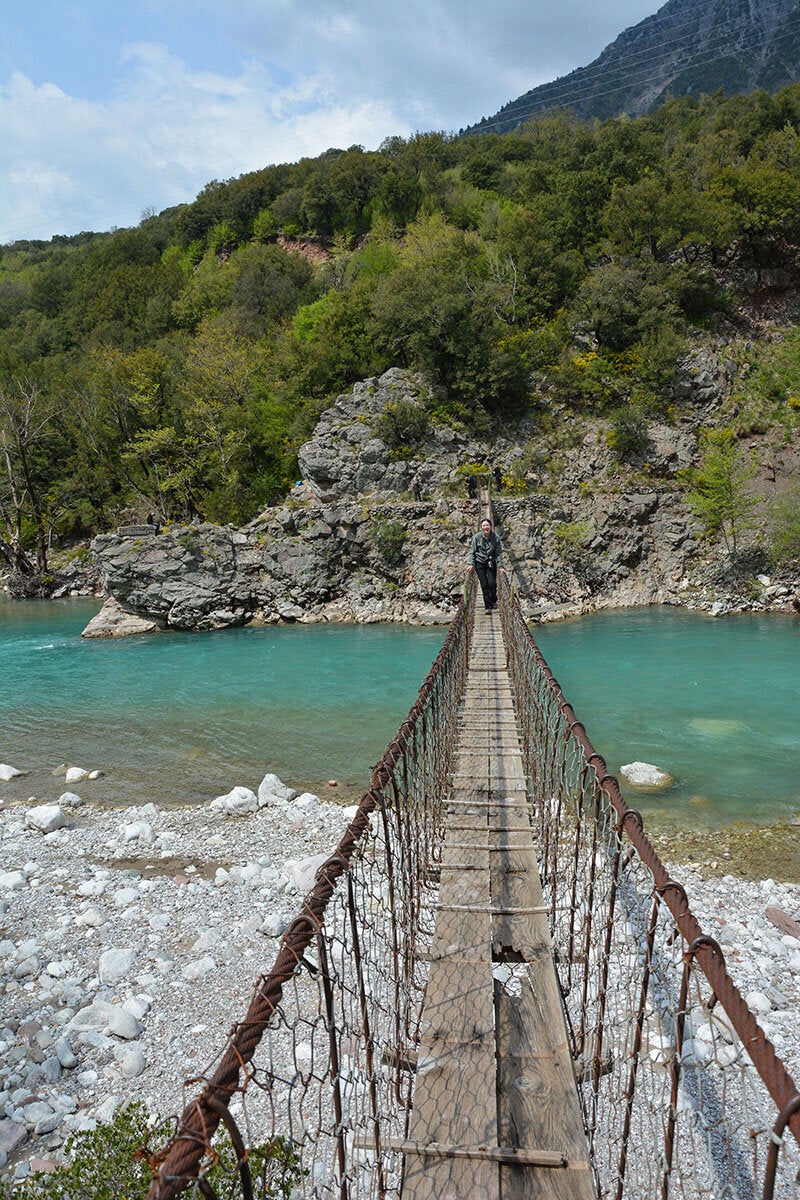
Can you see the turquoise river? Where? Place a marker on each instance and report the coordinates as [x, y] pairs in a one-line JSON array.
[[183, 717]]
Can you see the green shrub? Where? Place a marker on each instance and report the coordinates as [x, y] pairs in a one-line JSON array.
[[403, 425], [110, 1163], [388, 538], [106, 1163], [784, 528], [571, 537], [627, 436]]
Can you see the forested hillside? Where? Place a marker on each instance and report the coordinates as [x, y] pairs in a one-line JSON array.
[[174, 368]]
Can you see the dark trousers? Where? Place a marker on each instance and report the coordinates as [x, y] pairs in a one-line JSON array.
[[488, 579]]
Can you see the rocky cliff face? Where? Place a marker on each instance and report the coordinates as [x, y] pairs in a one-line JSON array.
[[352, 543]]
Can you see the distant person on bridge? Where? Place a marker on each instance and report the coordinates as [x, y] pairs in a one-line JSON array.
[[486, 556]]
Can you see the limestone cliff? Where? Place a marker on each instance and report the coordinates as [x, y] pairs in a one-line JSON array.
[[352, 543]]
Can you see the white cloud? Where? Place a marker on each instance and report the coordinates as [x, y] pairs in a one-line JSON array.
[[310, 75], [165, 132]]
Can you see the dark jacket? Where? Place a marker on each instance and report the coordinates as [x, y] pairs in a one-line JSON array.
[[486, 551]]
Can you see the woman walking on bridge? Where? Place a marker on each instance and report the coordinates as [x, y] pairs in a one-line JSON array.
[[486, 556]]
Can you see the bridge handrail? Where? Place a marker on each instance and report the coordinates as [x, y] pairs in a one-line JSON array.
[[700, 948], [179, 1162]]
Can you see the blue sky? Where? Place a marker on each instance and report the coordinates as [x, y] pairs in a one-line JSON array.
[[110, 107]]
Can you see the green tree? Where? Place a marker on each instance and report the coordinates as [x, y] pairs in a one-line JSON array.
[[784, 523], [26, 422], [720, 493], [444, 312]]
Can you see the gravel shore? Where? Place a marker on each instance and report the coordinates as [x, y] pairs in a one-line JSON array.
[[131, 941]]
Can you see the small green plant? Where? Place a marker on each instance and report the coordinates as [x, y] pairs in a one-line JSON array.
[[784, 528], [571, 537], [402, 426], [188, 539], [627, 435], [388, 538], [110, 1163]]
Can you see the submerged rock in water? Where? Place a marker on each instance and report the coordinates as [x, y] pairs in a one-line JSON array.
[[7, 772], [645, 775]]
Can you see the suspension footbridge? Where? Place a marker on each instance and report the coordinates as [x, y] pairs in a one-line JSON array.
[[494, 988]]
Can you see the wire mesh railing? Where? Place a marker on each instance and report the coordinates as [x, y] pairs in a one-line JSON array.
[[314, 1086], [682, 1093]]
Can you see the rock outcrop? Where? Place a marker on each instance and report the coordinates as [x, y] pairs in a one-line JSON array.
[[350, 543]]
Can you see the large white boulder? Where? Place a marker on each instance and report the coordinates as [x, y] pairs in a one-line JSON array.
[[76, 775], [116, 964], [236, 803], [302, 873], [7, 772], [272, 789], [645, 775], [46, 818], [138, 831], [13, 881]]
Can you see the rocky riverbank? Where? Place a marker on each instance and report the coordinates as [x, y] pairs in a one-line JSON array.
[[378, 527], [132, 940]]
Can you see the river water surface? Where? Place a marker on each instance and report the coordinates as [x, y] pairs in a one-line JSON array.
[[179, 718], [183, 717], [714, 701]]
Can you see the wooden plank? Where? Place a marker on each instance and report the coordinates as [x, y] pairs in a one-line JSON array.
[[466, 852], [493, 749], [458, 1013], [467, 887], [495, 796], [456, 938], [514, 884], [498, 1154], [499, 784], [537, 1096], [460, 825], [508, 843], [514, 858], [454, 1094]]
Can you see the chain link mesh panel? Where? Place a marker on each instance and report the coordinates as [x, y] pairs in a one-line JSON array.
[[321, 1069], [683, 1096]]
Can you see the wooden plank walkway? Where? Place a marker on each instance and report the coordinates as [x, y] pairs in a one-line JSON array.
[[496, 1111]]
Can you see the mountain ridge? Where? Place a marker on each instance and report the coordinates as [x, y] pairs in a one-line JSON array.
[[688, 47]]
